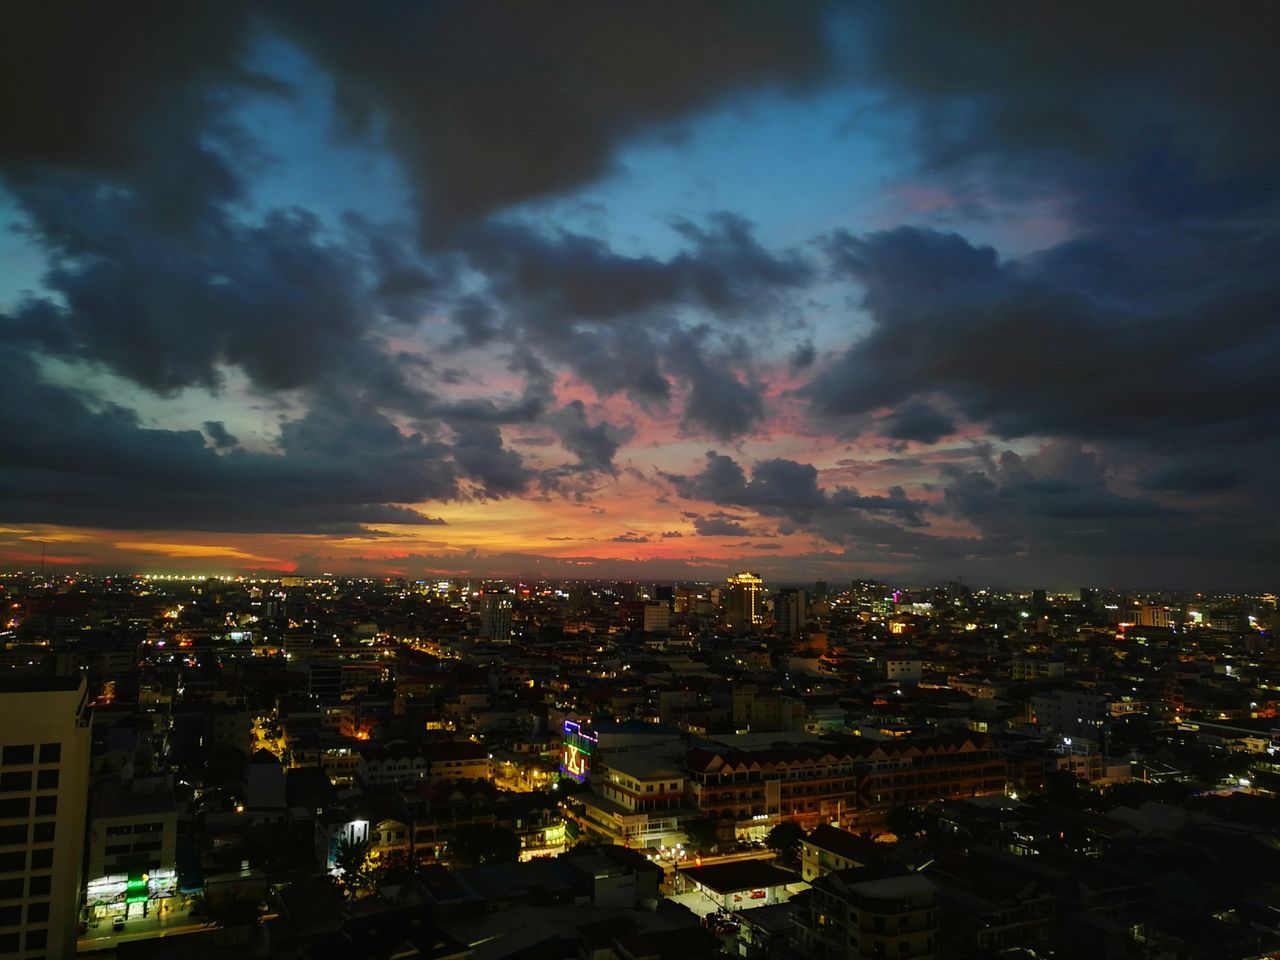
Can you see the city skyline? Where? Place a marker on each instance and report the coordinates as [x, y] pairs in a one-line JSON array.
[[905, 292]]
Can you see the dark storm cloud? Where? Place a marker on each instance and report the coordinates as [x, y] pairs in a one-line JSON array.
[[629, 537], [594, 445], [127, 95], [1157, 351], [803, 357], [480, 455], [1151, 98], [718, 402], [278, 300], [603, 314], [722, 525], [919, 421], [789, 490], [1057, 502], [558, 280], [120, 152], [217, 432], [70, 462], [556, 89], [1012, 346]]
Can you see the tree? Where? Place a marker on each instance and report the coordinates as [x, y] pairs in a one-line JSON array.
[[225, 911], [352, 861], [393, 868], [1063, 788], [906, 821], [474, 844], [784, 840], [701, 834]]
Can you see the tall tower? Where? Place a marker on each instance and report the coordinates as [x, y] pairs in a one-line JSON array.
[[495, 616], [44, 800], [789, 611], [744, 600]]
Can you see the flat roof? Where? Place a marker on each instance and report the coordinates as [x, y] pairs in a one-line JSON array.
[[644, 767], [39, 683], [738, 876]]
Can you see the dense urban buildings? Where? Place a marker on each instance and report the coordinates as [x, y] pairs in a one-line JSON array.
[[955, 772]]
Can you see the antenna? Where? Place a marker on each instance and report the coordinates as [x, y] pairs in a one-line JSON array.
[[43, 547]]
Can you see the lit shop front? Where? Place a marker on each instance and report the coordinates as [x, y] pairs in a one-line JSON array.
[[129, 894], [577, 748]]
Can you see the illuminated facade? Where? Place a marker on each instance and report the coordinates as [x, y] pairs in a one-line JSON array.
[[744, 600], [577, 748], [495, 616], [132, 847]]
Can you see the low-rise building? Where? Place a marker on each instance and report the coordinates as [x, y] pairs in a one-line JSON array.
[[133, 836], [883, 911]]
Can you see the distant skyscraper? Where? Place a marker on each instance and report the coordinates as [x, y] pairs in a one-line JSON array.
[[495, 616], [44, 799], [820, 590], [873, 596], [744, 600], [789, 612]]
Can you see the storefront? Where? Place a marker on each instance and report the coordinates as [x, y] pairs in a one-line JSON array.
[[129, 895]]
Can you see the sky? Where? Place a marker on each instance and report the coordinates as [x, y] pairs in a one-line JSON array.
[[912, 291]]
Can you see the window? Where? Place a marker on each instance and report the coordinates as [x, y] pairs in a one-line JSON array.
[[11, 889], [15, 780], [9, 836], [13, 862], [47, 780], [11, 916], [38, 912], [39, 886], [46, 806], [8, 943], [42, 859], [36, 939], [43, 832], [16, 756], [15, 807], [50, 752]]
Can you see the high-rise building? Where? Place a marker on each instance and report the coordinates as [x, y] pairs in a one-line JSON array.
[[789, 612], [495, 616], [744, 600], [44, 785], [1154, 615], [657, 617], [873, 596]]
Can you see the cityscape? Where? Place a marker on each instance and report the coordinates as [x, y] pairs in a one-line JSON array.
[[664, 480], [306, 767]]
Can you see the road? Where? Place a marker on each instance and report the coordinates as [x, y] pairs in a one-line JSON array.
[[171, 923]]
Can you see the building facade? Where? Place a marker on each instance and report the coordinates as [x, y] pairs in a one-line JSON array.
[[869, 912], [44, 781]]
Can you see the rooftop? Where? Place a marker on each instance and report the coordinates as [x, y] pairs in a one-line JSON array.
[[738, 876]]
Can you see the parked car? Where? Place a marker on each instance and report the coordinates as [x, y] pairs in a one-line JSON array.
[[117, 923]]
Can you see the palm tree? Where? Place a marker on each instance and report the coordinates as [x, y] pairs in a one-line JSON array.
[[351, 860]]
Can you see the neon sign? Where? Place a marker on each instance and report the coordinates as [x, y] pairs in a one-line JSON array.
[[578, 747]]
